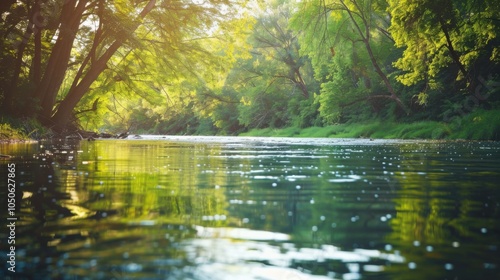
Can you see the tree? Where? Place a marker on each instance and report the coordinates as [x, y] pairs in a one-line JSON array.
[[275, 41], [348, 38], [457, 37], [274, 75], [67, 45]]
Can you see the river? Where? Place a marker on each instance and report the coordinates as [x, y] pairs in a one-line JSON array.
[[164, 207]]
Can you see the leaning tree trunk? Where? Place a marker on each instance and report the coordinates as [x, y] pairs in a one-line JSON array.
[[57, 64], [65, 109], [64, 113]]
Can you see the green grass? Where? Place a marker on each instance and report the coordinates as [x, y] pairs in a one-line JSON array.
[[479, 125], [9, 133], [22, 130]]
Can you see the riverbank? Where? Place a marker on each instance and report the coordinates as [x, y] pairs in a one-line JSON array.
[[10, 134], [484, 127], [479, 125]]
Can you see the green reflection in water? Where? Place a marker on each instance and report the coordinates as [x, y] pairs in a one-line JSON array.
[[153, 181], [169, 209], [448, 210]]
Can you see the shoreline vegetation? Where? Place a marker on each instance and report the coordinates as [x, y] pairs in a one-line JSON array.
[[8, 134], [478, 125], [428, 130]]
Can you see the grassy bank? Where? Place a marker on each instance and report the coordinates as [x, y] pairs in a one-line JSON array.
[[8, 133], [13, 130], [480, 125]]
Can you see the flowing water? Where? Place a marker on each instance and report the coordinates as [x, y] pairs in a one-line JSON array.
[[252, 208]]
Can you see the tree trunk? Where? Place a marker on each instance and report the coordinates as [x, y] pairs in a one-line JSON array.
[[37, 58], [66, 107], [57, 65], [65, 110]]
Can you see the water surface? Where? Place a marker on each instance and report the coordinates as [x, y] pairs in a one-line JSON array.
[[255, 208]]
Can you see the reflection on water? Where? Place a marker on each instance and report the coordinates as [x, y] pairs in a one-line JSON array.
[[250, 208]]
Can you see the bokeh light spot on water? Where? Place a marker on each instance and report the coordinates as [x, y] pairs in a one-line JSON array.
[[448, 266], [412, 265]]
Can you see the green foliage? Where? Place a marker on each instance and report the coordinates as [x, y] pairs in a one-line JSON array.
[[82, 47], [23, 129], [479, 125], [444, 33], [34, 129], [224, 115], [274, 84], [9, 133], [348, 57], [263, 109], [363, 68], [303, 112]]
